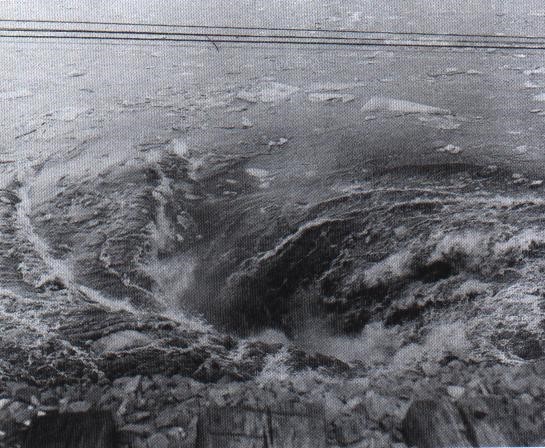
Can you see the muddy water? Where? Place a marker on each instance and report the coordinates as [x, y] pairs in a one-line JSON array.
[[255, 204]]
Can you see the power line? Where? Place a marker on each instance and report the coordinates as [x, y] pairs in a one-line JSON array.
[[345, 42], [230, 35], [238, 37], [225, 27]]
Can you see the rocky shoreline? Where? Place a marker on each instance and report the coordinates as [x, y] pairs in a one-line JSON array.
[[156, 395]]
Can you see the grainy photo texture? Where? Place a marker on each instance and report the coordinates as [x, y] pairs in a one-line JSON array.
[[272, 223]]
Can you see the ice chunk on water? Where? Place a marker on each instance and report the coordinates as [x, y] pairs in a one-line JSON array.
[[14, 94], [68, 113], [445, 123], [379, 103], [334, 86], [268, 92]]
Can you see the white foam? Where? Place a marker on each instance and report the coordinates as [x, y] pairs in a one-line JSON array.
[[57, 269], [395, 266], [261, 174], [180, 148]]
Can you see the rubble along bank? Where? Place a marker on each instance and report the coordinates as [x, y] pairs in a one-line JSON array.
[[457, 402]]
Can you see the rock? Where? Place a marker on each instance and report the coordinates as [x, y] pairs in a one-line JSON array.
[[80, 430], [378, 407], [183, 393], [20, 412], [167, 417], [285, 425], [23, 392], [158, 441], [434, 424], [214, 368], [498, 421], [79, 406], [349, 430], [178, 438], [526, 399], [130, 433], [455, 392], [132, 385], [135, 417], [93, 394], [120, 341], [48, 398]]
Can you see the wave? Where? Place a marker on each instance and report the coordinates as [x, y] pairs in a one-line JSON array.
[[407, 266]]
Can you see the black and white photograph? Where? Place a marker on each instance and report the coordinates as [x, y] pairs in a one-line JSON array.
[[272, 223]]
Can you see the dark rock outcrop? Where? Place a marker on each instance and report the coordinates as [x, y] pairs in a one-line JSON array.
[[477, 421], [434, 424], [72, 430]]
